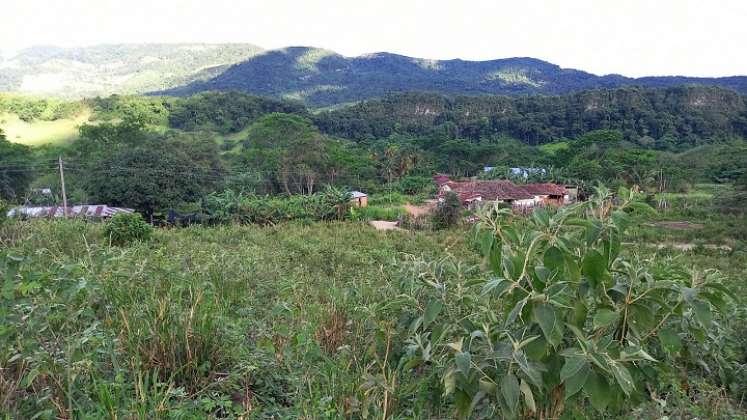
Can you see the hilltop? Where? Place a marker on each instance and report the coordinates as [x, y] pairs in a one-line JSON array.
[[322, 78], [316, 77], [74, 73]]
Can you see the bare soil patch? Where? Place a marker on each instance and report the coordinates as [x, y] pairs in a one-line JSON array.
[[425, 208], [679, 225], [384, 225]]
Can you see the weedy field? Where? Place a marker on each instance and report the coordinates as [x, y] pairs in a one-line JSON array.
[[303, 320]]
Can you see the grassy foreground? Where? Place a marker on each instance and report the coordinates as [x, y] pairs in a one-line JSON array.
[[293, 321], [287, 321]]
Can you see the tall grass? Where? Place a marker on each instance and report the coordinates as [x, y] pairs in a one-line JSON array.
[[287, 321]]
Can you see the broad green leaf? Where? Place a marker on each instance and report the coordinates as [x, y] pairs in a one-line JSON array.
[[721, 288], [526, 391], [670, 341], [551, 326], [510, 391], [463, 360], [463, 402], [532, 372], [572, 366], [488, 387], [496, 285], [537, 349], [516, 311], [594, 267], [554, 259], [611, 249], [575, 382], [574, 272], [495, 257], [623, 378], [604, 317], [593, 232], [621, 220], [9, 289], [703, 313], [636, 354], [579, 313], [432, 309], [541, 217], [641, 318], [598, 390]]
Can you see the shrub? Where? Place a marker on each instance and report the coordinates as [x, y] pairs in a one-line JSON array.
[[408, 221], [569, 319], [124, 228], [390, 214], [232, 207], [448, 212]]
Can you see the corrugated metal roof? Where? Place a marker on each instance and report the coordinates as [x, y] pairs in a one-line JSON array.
[[358, 194], [90, 211]]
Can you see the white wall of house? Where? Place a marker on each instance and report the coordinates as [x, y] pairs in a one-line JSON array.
[[525, 203]]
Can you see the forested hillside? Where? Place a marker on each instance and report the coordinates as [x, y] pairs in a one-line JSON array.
[[316, 77], [667, 118], [118, 68], [323, 78], [654, 138]]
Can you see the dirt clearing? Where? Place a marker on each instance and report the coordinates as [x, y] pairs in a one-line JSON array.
[[384, 225]]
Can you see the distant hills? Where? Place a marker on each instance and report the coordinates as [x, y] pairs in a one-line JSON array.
[[102, 70], [317, 77]]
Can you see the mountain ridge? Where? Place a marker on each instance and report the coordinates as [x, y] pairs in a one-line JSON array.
[[317, 77]]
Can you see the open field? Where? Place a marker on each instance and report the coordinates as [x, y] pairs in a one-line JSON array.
[[293, 321], [39, 132]]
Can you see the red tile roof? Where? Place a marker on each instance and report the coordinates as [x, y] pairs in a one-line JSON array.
[[488, 190], [544, 189]]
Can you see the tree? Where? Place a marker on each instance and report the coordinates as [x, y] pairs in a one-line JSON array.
[[448, 212], [289, 150], [149, 178], [16, 172]]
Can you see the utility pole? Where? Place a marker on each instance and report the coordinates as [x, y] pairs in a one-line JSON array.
[[62, 182]]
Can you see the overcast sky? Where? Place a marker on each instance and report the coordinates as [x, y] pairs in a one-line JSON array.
[[630, 37]]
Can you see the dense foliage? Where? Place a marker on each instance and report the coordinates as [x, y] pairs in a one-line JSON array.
[[333, 320], [572, 313], [663, 119], [448, 212], [226, 112], [124, 228], [233, 207], [15, 176], [324, 78], [30, 109]]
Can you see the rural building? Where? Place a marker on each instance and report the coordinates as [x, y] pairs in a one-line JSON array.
[[100, 211], [474, 193], [440, 179], [359, 199], [521, 197], [547, 194]]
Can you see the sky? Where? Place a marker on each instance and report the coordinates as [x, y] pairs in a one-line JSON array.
[[629, 37]]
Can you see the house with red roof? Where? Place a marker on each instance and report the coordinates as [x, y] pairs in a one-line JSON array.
[[521, 197]]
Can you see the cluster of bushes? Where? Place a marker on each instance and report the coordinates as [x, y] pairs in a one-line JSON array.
[[124, 228], [31, 109], [390, 214], [232, 207]]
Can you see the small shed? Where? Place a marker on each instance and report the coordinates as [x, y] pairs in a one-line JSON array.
[[358, 199]]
